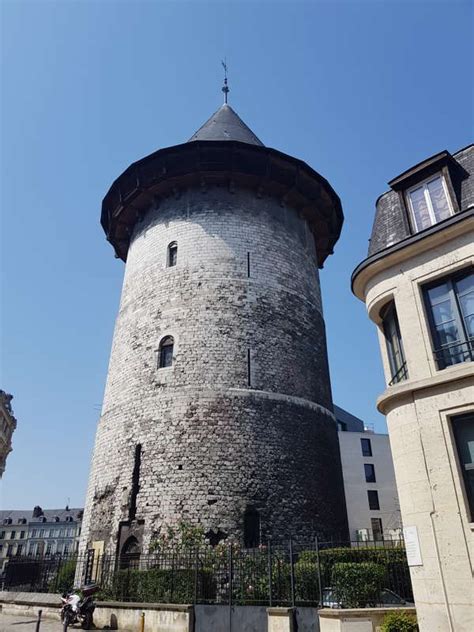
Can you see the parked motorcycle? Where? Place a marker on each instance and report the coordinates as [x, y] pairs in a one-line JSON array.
[[78, 607]]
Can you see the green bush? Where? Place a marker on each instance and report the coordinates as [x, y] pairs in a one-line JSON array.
[[306, 581], [357, 585], [64, 580], [399, 622], [158, 585], [393, 559]]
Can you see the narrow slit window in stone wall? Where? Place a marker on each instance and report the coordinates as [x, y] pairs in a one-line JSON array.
[[172, 256], [249, 368], [165, 352]]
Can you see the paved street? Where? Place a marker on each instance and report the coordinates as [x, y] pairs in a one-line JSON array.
[[9, 623]]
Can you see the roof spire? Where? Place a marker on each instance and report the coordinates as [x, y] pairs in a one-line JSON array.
[[225, 87]]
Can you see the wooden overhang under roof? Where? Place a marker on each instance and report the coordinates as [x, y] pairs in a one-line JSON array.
[[267, 171]]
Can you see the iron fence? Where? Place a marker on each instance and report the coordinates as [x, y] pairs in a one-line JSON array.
[[274, 574]]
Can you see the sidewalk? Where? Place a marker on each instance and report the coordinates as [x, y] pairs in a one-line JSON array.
[[15, 623]]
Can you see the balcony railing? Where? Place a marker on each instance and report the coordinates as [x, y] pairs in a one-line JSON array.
[[400, 375], [454, 353]]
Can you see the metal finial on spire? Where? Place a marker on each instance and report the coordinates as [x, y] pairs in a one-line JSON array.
[[225, 87]]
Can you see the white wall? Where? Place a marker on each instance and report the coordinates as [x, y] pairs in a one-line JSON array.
[[355, 486]]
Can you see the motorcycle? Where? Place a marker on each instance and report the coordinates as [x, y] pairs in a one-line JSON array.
[[78, 608]]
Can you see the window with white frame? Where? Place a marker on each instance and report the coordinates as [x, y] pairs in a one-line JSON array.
[[429, 202]]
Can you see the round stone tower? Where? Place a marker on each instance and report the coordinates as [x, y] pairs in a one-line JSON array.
[[217, 409]]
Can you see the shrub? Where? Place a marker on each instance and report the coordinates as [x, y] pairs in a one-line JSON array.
[[158, 585], [357, 585], [64, 580], [399, 622], [306, 581], [393, 559]]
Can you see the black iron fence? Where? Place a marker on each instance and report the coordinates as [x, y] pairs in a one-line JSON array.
[[335, 574]]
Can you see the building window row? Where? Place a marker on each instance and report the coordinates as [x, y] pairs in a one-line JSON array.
[[449, 304]]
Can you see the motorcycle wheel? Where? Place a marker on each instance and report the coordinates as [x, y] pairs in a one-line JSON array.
[[68, 620], [87, 621]]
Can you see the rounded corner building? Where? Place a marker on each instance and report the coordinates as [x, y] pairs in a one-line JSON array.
[[217, 409]]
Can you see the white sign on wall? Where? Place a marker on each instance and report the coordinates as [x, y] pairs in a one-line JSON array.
[[412, 546]]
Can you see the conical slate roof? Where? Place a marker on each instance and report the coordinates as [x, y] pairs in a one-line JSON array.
[[225, 124]]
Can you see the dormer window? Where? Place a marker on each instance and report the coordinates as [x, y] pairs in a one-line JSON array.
[[429, 202]]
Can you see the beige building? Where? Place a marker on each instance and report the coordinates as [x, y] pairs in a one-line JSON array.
[[7, 427], [418, 286]]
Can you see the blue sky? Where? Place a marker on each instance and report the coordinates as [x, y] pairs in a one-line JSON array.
[[359, 90]]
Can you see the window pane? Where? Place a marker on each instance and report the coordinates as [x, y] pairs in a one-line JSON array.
[[369, 470], [439, 293], [421, 213], [377, 531], [166, 355], [394, 344], [447, 333], [465, 292], [464, 435], [442, 312], [373, 497], [366, 447], [438, 198]]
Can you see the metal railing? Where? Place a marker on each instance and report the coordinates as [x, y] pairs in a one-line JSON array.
[[400, 375], [285, 574], [454, 353]]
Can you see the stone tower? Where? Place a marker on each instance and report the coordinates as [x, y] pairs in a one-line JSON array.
[[217, 408]]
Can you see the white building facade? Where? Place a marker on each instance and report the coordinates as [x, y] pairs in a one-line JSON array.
[[418, 286], [373, 510]]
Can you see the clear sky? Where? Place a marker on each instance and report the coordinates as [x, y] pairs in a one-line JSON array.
[[359, 90]]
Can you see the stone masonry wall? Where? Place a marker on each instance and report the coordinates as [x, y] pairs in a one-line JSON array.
[[217, 437]]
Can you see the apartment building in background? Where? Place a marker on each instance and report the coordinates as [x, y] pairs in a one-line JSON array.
[[39, 532], [373, 510]]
